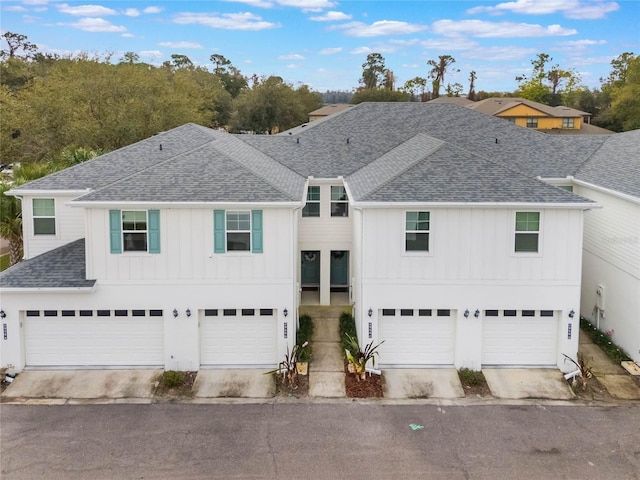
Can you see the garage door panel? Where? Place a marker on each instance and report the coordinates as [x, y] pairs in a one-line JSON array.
[[91, 341], [519, 341], [239, 340], [416, 340]]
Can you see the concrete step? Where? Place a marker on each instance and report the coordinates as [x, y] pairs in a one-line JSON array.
[[326, 330], [330, 311], [327, 357], [327, 385]]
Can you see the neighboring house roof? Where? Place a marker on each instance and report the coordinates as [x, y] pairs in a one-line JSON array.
[[330, 109], [498, 105], [456, 100], [63, 267], [615, 165]]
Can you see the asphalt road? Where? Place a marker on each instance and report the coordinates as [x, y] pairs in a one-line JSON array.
[[319, 441]]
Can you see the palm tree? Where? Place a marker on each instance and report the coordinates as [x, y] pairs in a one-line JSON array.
[[438, 71], [11, 223]]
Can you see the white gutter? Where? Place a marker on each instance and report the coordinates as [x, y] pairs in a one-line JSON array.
[[609, 191], [48, 289], [510, 205], [111, 204], [17, 192]]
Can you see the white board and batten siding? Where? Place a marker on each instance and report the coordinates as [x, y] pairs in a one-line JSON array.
[[69, 225], [187, 250], [611, 264]]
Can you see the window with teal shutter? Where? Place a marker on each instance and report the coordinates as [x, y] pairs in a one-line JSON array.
[[115, 232], [218, 231], [154, 231], [256, 231]]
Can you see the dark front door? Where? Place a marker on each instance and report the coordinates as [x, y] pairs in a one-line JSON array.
[[339, 268], [310, 269]]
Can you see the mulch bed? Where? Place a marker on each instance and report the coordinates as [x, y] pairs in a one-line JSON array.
[[370, 387], [481, 390], [298, 390], [185, 389]]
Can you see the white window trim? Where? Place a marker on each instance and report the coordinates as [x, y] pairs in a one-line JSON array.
[[144, 252], [332, 201], [416, 253], [513, 235], [55, 219], [226, 232], [313, 201]]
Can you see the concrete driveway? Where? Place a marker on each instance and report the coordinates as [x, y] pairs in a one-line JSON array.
[[518, 383]]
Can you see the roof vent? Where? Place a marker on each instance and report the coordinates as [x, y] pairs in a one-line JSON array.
[[160, 147], [297, 140], [347, 140], [496, 140]]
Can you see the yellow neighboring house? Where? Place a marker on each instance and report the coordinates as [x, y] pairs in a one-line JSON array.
[[529, 114]]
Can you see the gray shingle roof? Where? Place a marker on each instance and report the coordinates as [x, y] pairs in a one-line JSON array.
[[616, 164], [63, 267]]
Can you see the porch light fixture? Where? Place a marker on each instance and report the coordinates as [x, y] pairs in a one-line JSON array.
[[476, 313], [572, 313], [3, 314], [286, 312], [466, 313], [188, 312], [175, 312], [370, 312]]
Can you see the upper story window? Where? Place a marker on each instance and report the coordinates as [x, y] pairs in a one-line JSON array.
[[527, 231], [44, 216], [339, 202], [134, 231], [417, 225], [532, 122], [237, 231], [312, 208], [567, 123]]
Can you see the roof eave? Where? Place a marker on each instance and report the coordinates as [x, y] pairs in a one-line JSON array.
[[565, 205]]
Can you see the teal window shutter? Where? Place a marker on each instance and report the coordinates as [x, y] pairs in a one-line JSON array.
[[115, 231], [218, 231], [154, 231], [256, 231]]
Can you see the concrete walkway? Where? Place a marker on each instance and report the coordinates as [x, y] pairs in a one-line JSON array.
[[326, 369], [613, 377]]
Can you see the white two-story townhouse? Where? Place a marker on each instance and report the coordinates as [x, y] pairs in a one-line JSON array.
[[194, 249]]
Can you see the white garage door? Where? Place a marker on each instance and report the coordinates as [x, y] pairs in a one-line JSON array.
[[519, 337], [416, 337], [86, 338], [243, 337]]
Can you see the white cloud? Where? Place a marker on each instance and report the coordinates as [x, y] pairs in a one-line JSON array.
[[291, 56], [152, 10], [483, 29], [180, 44], [150, 53], [305, 5], [227, 21], [15, 8], [132, 12], [449, 43], [501, 53], [330, 51], [576, 9], [254, 3], [128, 35], [380, 28], [86, 10], [35, 2], [583, 43], [331, 17], [361, 51], [96, 25]]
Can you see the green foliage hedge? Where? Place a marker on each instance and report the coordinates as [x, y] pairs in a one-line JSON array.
[[613, 351]]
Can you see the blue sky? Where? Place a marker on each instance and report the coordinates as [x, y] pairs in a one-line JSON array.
[[323, 43]]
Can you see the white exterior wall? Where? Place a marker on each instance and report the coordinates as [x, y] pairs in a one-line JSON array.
[[471, 265], [324, 234], [612, 259], [69, 225], [186, 274]]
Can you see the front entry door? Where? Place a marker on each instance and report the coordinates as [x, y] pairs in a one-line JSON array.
[[310, 269], [339, 269]]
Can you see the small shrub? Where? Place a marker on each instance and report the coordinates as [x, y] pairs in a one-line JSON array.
[[472, 378], [305, 331], [347, 327], [172, 379]]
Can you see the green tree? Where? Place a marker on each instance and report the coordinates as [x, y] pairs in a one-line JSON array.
[[472, 86], [379, 95], [416, 88], [373, 71], [438, 70], [618, 98], [230, 77], [181, 61], [17, 44], [548, 86]]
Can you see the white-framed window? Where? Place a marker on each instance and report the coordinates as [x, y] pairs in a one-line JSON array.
[[44, 216], [527, 232], [567, 123], [416, 231], [532, 122], [312, 207], [339, 202], [134, 230], [238, 231]]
